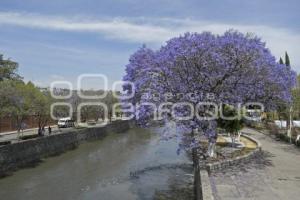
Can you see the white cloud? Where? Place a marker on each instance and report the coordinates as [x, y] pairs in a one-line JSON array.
[[116, 28], [156, 31]]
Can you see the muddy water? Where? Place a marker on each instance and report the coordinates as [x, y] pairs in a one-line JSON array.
[[127, 166]]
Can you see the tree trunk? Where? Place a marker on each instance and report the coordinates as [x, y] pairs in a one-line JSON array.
[[290, 123], [239, 136], [197, 179]]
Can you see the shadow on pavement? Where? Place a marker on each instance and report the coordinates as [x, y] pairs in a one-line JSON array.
[[261, 161]]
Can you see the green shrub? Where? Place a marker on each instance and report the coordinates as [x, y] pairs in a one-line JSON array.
[[5, 143], [27, 137], [272, 128], [285, 138], [296, 143]]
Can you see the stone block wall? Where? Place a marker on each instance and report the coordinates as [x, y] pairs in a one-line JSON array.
[[24, 153]]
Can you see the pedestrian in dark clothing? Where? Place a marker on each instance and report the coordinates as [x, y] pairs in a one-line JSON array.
[[40, 131], [43, 131], [50, 130]]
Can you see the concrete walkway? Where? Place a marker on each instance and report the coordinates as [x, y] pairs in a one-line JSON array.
[[13, 135], [273, 175]]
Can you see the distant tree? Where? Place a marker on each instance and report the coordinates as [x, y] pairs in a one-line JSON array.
[[110, 100], [40, 104], [285, 109], [289, 104], [60, 111], [281, 61], [88, 112], [287, 60], [91, 112], [296, 102], [15, 101], [20, 100], [8, 70], [296, 99]]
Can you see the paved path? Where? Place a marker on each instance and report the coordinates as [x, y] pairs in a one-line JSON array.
[[13, 136], [275, 175]]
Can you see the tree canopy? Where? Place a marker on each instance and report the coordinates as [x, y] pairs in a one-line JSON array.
[[18, 99], [8, 70], [234, 67]]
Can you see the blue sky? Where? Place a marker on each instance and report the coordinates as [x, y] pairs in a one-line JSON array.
[[61, 39]]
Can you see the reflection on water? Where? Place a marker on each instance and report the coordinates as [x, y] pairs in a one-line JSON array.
[[131, 165], [165, 183]]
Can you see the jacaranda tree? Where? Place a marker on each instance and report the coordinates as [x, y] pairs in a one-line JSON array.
[[234, 68]]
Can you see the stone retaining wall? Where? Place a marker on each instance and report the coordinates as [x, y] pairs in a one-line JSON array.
[[229, 162], [24, 153]]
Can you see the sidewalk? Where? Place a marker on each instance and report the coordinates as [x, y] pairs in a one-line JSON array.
[[13, 135], [273, 175], [13, 132]]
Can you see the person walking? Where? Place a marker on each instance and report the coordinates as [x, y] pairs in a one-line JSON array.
[[40, 131], [43, 131], [49, 130]]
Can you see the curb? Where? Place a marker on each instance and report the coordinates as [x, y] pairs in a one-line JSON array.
[[253, 140], [230, 162], [206, 189]]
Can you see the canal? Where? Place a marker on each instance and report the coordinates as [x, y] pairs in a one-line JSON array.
[[127, 166]]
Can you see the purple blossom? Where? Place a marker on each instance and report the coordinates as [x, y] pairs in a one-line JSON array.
[[237, 68]]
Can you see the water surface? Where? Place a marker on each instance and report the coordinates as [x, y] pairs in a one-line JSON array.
[[127, 166]]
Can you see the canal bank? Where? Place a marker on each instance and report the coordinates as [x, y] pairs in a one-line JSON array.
[[29, 152]]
